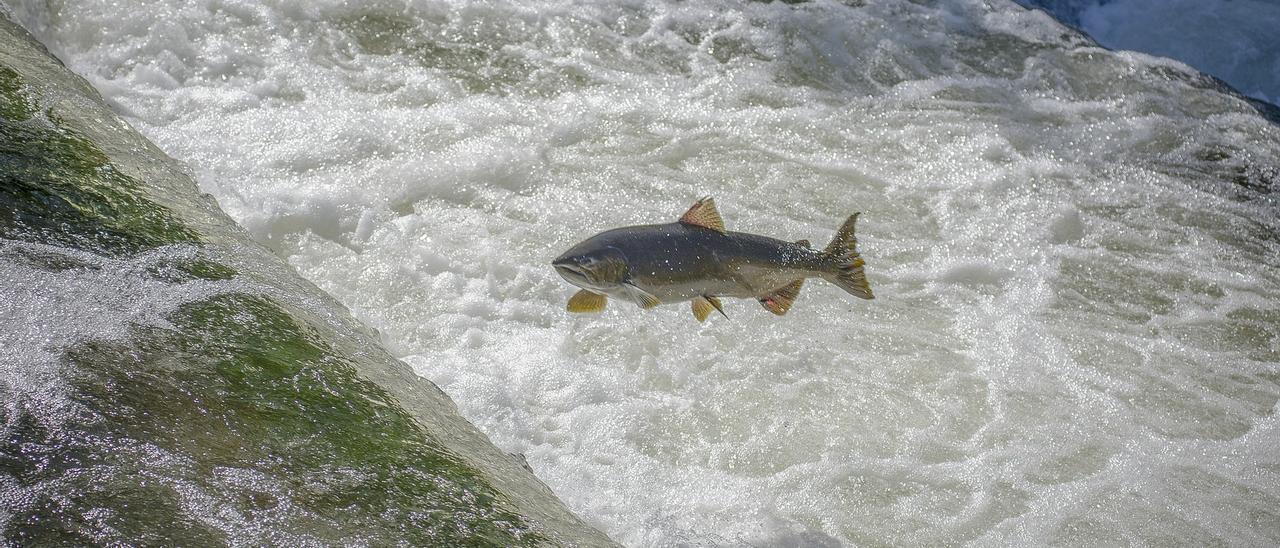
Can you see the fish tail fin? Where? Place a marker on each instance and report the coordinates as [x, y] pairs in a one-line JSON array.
[[843, 253]]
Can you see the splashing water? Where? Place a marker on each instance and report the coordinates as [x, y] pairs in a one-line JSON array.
[[1076, 337]]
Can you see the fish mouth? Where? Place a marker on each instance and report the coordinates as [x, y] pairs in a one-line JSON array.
[[566, 264], [571, 272]]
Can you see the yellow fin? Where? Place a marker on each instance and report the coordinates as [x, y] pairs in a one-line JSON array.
[[701, 308], [845, 242], [715, 301], [780, 301], [704, 214], [586, 301], [843, 249]]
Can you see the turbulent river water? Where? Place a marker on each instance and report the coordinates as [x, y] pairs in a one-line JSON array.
[[1076, 336]]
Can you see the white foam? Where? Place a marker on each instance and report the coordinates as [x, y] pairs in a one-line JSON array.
[[1074, 337]]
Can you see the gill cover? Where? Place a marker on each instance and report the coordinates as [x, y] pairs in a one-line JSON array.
[[603, 267]]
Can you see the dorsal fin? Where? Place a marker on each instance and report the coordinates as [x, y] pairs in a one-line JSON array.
[[804, 243], [704, 214]]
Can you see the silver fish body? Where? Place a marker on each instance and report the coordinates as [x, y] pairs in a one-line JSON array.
[[676, 262], [695, 259]]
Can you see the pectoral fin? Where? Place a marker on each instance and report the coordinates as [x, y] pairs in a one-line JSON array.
[[702, 307], [586, 301], [780, 301], [642, 298]]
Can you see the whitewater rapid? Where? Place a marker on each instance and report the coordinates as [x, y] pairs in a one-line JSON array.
[[1076, 336]]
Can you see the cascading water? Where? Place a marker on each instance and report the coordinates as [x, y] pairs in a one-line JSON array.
[[165, 381], [1076, 336]]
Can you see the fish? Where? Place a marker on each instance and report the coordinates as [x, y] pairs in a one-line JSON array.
[[695, 259]]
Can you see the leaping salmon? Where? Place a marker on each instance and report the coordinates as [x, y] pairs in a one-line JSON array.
[[695, 259]]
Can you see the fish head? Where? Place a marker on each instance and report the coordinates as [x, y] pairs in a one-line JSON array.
[[599, 268]]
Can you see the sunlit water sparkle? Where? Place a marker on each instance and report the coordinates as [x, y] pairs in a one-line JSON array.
[[1076, 337]]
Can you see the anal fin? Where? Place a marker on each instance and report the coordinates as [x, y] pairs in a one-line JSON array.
[[586, 301], [779, 302]]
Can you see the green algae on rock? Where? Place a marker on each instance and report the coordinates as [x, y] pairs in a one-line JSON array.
[[168, 381]]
